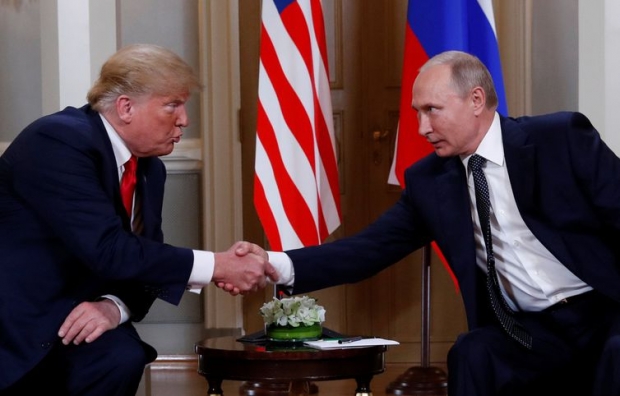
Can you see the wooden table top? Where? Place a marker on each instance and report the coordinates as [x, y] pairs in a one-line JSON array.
[[227, 358]]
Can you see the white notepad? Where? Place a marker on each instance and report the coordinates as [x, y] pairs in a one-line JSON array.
[[364, 342]]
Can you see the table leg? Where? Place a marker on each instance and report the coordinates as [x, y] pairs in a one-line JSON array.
[[264, 388], [267, 388], [300, 388], [363, 386], [215, 387]]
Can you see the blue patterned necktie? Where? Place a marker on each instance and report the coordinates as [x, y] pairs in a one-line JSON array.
[[502, 310]]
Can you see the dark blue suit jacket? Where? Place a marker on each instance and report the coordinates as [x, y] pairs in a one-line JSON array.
[[65, 237], [566, 183]]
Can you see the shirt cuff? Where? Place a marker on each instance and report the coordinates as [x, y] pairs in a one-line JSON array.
[[123, 309], [284, 267], [202, 271]]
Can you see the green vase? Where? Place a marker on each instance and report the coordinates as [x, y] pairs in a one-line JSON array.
[[289, 333]]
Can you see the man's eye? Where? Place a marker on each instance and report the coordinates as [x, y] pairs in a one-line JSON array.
[[172, 106]]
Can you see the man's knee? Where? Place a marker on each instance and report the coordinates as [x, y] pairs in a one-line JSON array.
[[131, 359], [472, 346], [612, 346], [111, 365]]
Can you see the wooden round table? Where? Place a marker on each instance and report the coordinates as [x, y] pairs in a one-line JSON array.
[[276, 369]]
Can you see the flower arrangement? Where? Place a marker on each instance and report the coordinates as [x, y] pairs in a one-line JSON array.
[[292, 312]]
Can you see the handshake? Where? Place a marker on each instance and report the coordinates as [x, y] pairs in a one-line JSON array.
[[243, 268]]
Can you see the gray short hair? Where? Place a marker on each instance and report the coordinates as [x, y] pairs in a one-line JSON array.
[[468, 72]]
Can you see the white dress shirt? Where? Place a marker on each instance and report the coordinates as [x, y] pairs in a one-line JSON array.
[[531, 278], [204, 261]]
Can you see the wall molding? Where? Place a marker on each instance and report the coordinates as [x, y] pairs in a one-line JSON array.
[[174, 362], [185, 158], [218, 27], [514, 31]]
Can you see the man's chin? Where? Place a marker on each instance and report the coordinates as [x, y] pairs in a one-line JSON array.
[[443, 152], [165, 150]]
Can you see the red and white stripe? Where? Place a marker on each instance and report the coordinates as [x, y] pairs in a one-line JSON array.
[[296, 189]]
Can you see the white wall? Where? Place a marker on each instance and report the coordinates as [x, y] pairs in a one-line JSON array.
[[555, 56], [599, 66], [171, 24], [20, 67]]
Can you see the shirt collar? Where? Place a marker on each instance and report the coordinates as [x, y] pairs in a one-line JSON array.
[[491, 146], [121, 152]]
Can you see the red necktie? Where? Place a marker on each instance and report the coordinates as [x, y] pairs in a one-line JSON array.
[[128, 183]]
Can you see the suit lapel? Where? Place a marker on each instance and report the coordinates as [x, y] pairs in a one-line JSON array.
[[452, 195], [455, 214], [109, 169], [149, 190], [521, 164], [523, 173], [457, 235], [141, 214]]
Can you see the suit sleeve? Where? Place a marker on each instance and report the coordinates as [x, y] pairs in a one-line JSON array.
[[137, 296], [597, 170], [396, 233], [58, 175]]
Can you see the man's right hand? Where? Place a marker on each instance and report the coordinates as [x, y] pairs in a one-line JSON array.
[[243, 268]]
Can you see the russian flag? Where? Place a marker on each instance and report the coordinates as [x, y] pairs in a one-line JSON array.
[[435, 26]]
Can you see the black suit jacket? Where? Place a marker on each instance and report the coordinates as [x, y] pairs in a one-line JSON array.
[[65, 237], [566, 183]]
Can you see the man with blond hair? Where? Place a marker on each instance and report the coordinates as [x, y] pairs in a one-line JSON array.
[[80, 259]]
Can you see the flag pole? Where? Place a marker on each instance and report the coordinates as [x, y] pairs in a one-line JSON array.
[[424, 379]]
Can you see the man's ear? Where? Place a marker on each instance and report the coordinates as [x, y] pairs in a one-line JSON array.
[[478, 99], [125, 108]]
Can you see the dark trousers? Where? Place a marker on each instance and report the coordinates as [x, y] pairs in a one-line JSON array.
[[112, 365], [576, 350]]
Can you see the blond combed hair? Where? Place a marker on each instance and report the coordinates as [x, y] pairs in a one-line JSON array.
[[141, 70]]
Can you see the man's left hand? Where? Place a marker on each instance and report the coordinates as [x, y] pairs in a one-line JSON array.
[[88, 321]]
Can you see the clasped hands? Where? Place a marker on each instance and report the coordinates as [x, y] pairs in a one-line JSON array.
[[243, 268]]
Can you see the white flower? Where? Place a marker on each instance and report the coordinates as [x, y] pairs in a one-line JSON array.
[[293, 311]]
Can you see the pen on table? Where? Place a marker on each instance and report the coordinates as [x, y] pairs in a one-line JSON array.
[[349, 339]]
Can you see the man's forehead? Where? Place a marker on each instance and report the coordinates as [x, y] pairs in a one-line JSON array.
[[180, 96], [435, 74]]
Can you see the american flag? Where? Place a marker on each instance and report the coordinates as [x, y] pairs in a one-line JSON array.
[[296, 188]]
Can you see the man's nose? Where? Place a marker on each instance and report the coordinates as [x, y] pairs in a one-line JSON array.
[[183, 119], [424, 126]]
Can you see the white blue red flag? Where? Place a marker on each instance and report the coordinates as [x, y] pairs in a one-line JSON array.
[[296, 188], [435, 26]]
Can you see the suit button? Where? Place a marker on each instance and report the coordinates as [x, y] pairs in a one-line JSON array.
[[46, 345]]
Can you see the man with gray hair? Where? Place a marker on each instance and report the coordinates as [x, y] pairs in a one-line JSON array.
[[526, 211]]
